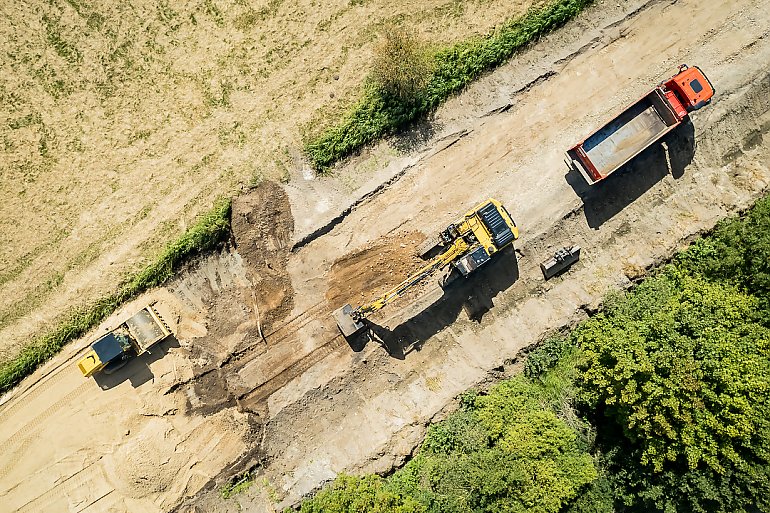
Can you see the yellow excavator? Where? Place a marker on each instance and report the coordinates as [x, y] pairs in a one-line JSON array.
[[462, 248]]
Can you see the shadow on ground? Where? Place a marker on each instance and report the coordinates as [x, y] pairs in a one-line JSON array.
[[416, 136], [601, 202], [473, 295], [136, 370]]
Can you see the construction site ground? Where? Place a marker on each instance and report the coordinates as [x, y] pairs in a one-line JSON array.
[[258, 376]]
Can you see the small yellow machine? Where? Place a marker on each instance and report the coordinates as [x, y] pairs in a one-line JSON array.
[[134, 337], [465, 246]]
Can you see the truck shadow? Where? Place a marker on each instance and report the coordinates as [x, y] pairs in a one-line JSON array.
[[473, 295], [601, 202], [136, 370]]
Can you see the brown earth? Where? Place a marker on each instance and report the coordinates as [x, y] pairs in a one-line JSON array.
[[369, 272], [300, 405], [262, 228]]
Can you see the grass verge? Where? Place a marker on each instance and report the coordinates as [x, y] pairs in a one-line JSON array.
[[377, 114], [208, 231]]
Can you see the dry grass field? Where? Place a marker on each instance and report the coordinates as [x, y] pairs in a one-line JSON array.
[[121, 121]]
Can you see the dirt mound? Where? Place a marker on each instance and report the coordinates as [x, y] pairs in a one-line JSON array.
[[365, 274], [263, 226]]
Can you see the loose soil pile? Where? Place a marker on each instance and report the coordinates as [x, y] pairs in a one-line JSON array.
[[367, 273], [262, 227]]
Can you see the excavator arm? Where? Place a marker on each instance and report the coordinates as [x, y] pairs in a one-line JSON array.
[[439, 262], [350, 320], [468, 244]]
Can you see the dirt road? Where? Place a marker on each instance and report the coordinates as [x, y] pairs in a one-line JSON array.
[[262, 379]]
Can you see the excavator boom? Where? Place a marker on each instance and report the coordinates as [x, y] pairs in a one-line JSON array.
[[349, 319]]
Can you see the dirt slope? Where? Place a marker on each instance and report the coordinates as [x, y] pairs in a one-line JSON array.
[[301, 404]]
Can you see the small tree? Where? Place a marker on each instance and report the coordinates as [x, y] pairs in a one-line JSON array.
[[401, 67]]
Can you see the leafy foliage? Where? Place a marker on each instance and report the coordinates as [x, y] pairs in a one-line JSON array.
[[504, 451], [208, 231], [349, 494], [377, 114], [684, 367], [681, 367], [738, 251], [546, 355]]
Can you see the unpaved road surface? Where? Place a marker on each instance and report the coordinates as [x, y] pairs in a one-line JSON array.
[[259, 377]]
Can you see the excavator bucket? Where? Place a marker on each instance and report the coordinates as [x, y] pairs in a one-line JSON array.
[[345, 321]]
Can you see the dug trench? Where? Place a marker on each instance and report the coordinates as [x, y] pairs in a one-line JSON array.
[[239, 318]]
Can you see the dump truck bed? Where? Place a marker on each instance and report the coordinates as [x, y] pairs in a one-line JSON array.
[[625, 136]]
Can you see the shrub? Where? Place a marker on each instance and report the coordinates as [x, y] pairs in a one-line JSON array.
[[401, 65]]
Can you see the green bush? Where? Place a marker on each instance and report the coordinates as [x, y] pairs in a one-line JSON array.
[[208, 231], [737, 251], [369, 494], [507, 450], [401, 67], [377, 114]]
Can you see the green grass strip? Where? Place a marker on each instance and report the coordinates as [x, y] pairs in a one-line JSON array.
[[208, 231], [375, 115]]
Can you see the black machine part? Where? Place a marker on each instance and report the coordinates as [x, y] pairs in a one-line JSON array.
[[560, 262], [112, 347], [348, 320], [498, 228]]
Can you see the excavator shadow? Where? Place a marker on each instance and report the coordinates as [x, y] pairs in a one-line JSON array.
[[601, 202], [137, 369], [473, 295]]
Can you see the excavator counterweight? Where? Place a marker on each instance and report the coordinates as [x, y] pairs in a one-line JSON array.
[[463, 247]]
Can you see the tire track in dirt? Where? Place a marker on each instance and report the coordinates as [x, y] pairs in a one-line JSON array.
[[27, 434]]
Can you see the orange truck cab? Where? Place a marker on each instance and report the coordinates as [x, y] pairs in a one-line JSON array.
[[640, 124], [691, 87]]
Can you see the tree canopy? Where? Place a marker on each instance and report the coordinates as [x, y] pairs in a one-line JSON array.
[[682, 366]]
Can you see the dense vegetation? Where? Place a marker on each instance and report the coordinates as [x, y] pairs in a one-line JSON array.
[[383, 108], [207, 232], [503, 451], [661, 402]]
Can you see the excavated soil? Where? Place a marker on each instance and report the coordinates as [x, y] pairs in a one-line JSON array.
[[239, 317], [367, 273], [263, 227]]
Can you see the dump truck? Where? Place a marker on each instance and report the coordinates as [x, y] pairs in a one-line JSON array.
[[459, 250], [132, 338], [641, 124]]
